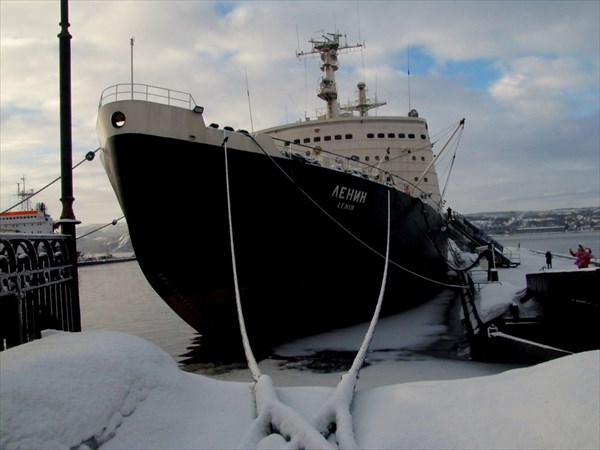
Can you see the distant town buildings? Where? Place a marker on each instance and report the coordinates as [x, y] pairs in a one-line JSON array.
[[512, 222]]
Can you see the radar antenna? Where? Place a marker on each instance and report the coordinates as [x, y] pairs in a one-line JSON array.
[[328, 48]]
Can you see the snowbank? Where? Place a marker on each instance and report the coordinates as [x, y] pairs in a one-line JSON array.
[[109, 389]]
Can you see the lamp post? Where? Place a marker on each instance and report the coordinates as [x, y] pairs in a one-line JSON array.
[[67, 218]]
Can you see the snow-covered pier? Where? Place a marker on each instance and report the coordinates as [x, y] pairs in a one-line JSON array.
[[103, 389], [554, 315]]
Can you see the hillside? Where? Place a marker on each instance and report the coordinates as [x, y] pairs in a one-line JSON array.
[[110, 239], [572, 219]]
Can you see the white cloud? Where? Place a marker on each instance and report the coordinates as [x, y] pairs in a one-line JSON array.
[[544, 102]]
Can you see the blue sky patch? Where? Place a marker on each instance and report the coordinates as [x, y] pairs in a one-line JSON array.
[[223, 8], [478, 73], [421, 61]]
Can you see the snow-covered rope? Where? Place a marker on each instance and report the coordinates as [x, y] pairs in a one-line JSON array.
[[252, 364], [337, 408], [272, 415]]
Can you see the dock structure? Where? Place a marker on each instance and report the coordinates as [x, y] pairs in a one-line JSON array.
[[563, 321], [38, 287], [477, 239]]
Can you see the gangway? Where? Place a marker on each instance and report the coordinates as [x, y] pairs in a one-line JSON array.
[[478, 238]]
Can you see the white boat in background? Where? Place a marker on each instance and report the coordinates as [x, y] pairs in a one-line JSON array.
[[28, 219]]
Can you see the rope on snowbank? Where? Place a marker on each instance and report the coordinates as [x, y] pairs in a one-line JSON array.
[[335, 413], [275, 417], [272, 415], [252, 365]]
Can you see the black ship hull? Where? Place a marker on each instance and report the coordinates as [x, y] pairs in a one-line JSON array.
[[309, 241]]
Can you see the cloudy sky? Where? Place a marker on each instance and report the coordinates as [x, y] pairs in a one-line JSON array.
[[524, 75]]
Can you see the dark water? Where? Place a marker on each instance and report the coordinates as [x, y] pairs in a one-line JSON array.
[[118, 297]]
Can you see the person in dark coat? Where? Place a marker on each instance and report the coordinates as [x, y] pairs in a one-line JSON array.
[[548, 260]]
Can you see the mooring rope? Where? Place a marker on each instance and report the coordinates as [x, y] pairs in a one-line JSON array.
[[418, 275], [272, 415], [337, 408], [89, 156], [252, 364], [113, 222]]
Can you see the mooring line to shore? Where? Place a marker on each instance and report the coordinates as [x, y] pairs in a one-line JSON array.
[[89, 156], [312, 200], [336, 410], [273, 416]]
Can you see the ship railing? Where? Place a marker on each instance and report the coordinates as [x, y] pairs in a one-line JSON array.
[[353, 166], [38, 287], [148, 93]]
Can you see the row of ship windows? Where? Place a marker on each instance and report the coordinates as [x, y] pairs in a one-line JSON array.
[[339, 137], [387, 158]]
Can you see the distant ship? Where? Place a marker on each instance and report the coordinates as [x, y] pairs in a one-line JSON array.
[[308, 209], [27, 220]]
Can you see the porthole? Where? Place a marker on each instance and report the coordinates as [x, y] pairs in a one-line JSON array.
[[118, 119]]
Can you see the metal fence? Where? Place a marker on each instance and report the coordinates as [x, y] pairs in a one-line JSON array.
[[38, 286]]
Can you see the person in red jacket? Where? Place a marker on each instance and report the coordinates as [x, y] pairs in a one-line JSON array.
[[582, 256]]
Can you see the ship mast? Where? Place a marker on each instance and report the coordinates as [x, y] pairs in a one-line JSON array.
[[24, 195], [328, 49]]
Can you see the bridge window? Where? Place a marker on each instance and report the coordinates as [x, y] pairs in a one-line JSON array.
[[402, 135], [348, 136], [306, 140], [327, 138], [391, 135], [338, 137], [317, 139], [411, 136], [296, 141], [380, 135], [370, 135], [423, 136], [367, 158]]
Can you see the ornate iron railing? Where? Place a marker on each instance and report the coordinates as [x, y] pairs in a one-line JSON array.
[[38, 287]]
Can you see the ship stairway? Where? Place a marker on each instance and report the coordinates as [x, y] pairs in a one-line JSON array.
[[478, 239]]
